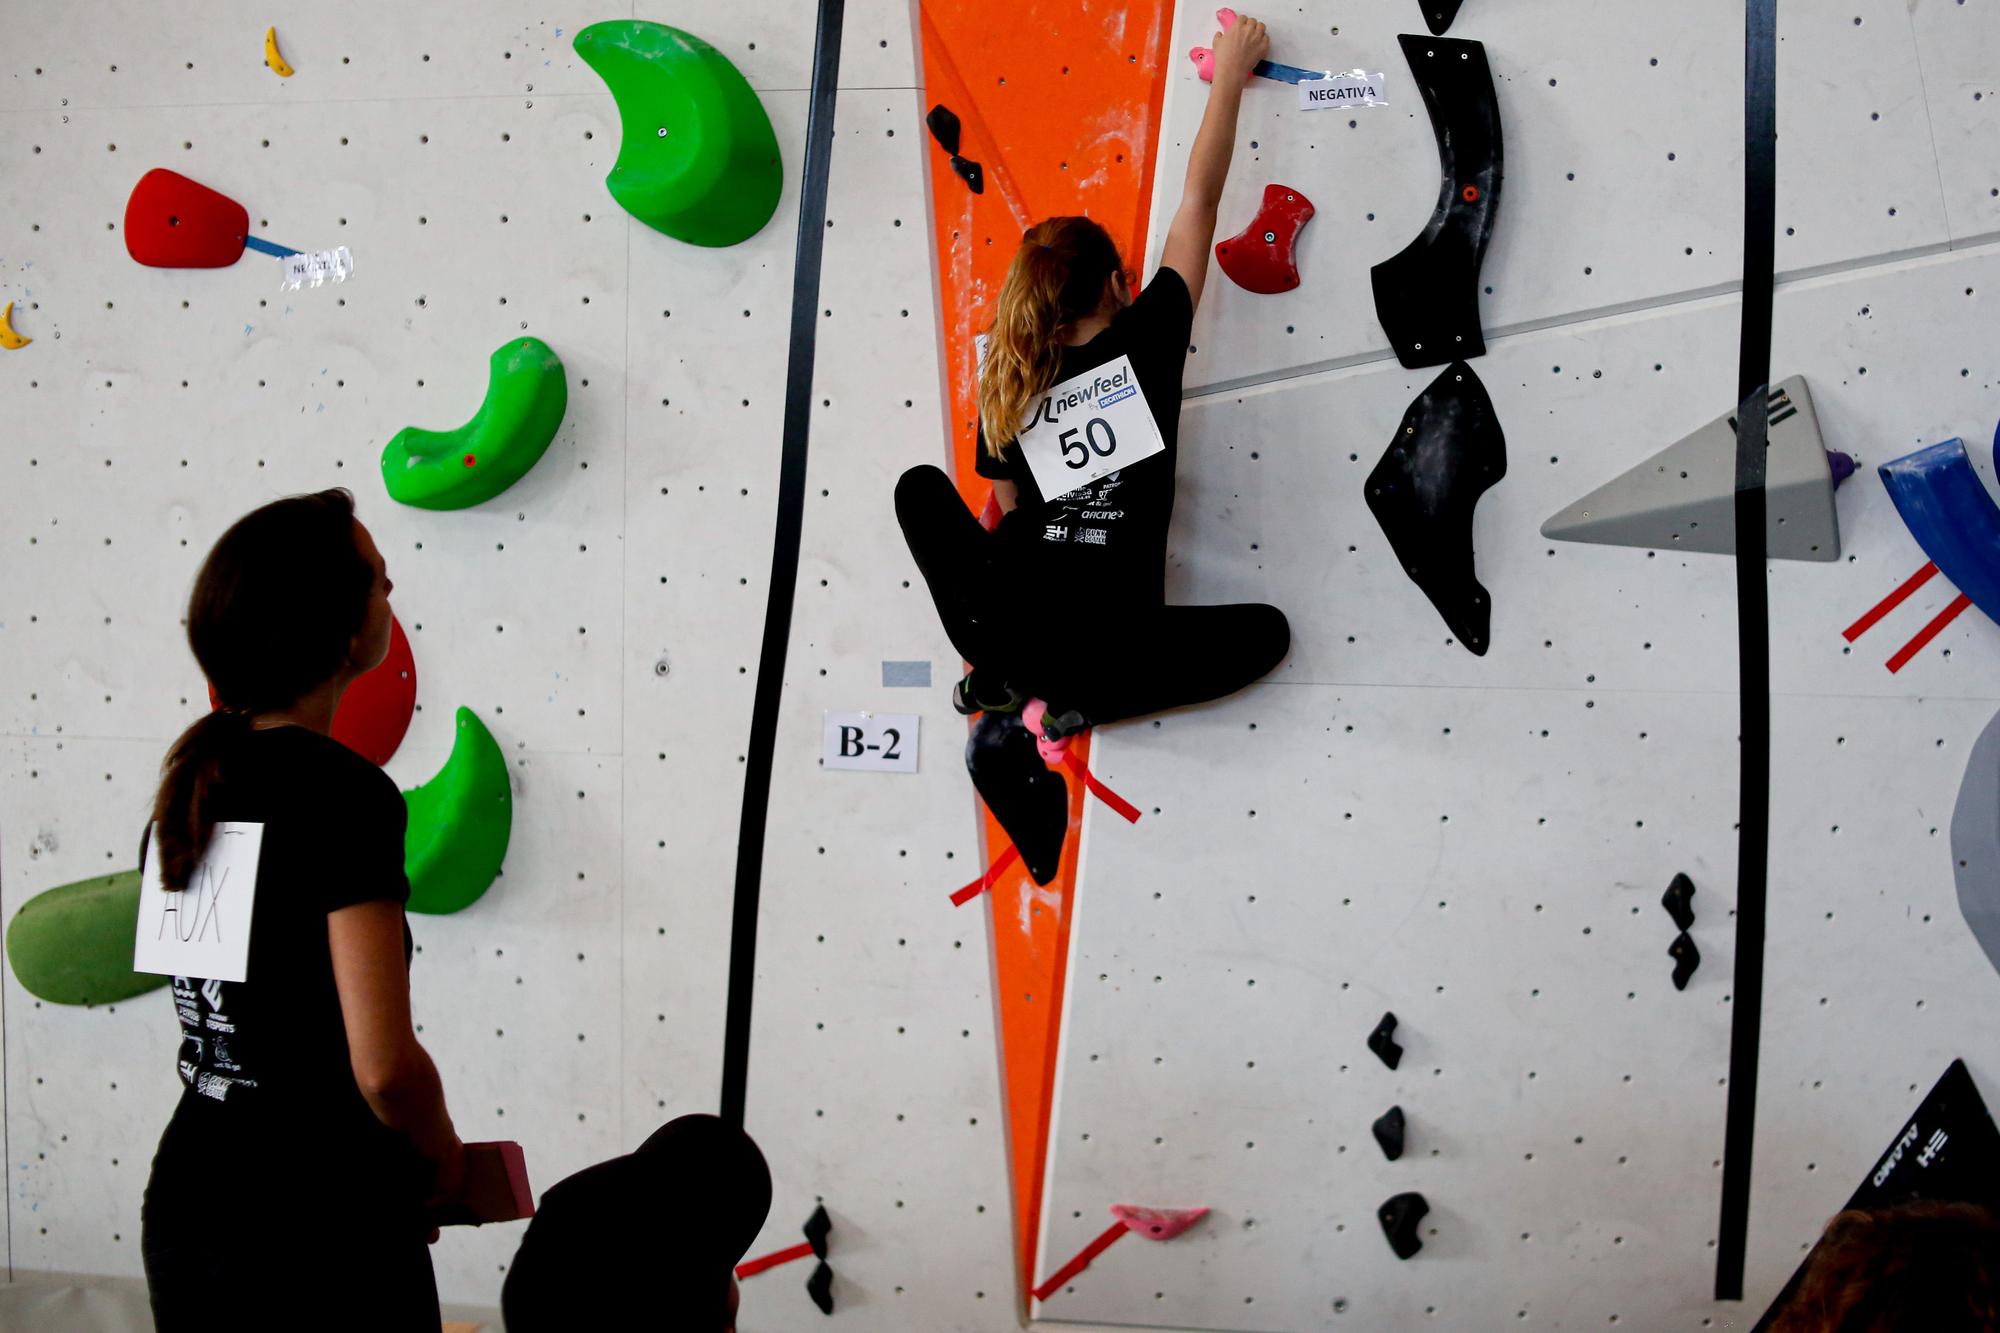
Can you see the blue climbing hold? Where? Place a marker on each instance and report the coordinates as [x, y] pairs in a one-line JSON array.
[[1946, 508]]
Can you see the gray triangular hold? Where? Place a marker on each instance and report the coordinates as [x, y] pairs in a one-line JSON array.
[[1683, 498]]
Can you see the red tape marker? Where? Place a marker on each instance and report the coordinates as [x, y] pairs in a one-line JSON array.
[[1929, 632], [1889, 603], [752, 1267], [1074, 762], [986, 881], [1081, 1262]]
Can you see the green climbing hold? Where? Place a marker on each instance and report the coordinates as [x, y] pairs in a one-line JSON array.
[[73, 943], [697, 159], [526, 394], [459, 823]]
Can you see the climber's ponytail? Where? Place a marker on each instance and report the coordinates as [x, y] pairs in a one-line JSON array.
[[1057, 278]]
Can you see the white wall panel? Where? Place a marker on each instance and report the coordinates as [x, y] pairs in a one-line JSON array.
[[1623, 133], [1479, 845]]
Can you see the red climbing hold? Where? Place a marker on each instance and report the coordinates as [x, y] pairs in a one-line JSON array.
[[374, 713], [1260, 258], [173, 222]]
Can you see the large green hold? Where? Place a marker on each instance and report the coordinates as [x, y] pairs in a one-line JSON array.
[[526, 395], [697, 159], [73, 943], [460, 822]]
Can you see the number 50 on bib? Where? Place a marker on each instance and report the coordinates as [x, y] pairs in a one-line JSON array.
[[1087, 427]]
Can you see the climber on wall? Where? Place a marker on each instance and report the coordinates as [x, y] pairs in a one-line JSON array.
[[1061, 611], [311, 1130]]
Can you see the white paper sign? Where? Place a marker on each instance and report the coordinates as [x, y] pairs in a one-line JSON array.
[[871, 742], [316, 268], [1089, 427], [202, 930], [1354, 88]]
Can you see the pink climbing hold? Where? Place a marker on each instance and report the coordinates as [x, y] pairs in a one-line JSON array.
[[1157, 1223], [1152, 1223], [1052, 752], [1204, 59]]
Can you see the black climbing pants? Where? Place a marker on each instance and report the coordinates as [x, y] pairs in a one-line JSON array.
[[244, 1227], [1141, 660]]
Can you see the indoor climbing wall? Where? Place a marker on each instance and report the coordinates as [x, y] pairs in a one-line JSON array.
[[602, 616], [1479, 844]]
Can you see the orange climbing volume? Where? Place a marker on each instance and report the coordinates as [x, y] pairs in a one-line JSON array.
[[1059, 103]]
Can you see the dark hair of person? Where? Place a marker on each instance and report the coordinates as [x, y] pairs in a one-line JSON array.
[[274, 611], [1921, 1267]]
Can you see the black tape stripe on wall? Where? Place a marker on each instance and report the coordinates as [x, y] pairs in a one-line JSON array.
[[1753, 633], [784, 562]]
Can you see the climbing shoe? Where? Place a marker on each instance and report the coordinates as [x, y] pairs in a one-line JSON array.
[[974, 694], [1061, 726]]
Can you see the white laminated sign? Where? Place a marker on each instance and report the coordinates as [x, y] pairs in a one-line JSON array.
[[1355, 87], [1087, 427], [202, 930]]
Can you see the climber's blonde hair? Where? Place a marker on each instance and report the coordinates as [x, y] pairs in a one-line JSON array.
[[1057, 278]]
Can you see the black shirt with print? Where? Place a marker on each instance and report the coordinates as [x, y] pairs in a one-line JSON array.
[[1109, 539], [268, 1056]]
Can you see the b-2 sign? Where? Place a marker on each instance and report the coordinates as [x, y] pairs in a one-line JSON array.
[[871, 742], [202, 930], [1087, 427]]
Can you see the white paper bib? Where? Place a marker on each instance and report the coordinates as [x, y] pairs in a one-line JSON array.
[[1088, 427], [204, 929]]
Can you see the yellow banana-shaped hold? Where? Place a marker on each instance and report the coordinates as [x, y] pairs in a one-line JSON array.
[[8, 338], [271, 56]]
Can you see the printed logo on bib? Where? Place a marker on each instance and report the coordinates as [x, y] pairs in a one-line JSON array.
[[202, 930], [1088, 427]]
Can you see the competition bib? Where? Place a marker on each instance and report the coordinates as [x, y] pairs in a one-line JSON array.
[[202, 930], [1089, 427]]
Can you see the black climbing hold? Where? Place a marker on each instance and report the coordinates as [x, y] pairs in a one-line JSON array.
[[1400, 1217], [1382, 1041], [944, 127], [1030, 799], [1439, 14], [1448, 450], [1686, 959], [1948, 1152], [1427, 295], [943, 124], [820, 1287], [1389, 1127], [1678, 901], [818, 1227]]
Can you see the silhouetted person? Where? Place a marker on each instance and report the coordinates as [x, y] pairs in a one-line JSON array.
[[648, 1240]]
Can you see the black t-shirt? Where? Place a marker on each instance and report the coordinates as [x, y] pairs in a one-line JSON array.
[[1110, 537], [268, 1056]]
